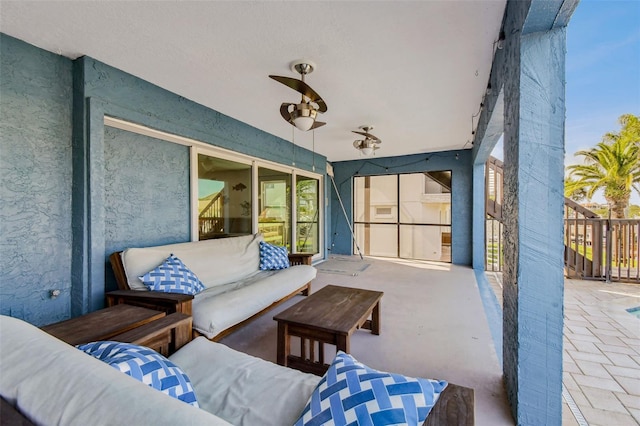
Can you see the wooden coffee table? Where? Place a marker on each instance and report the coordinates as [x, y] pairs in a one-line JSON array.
[[127, 323], [330, 316]]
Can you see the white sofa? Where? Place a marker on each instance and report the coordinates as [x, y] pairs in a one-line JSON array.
[[53, 383], [236, 289]]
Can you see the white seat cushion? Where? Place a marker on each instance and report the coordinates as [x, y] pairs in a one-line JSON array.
[[214, 312], [53, 383], [242, 389]]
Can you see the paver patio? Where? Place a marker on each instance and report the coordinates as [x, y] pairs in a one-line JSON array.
[[601, 363]]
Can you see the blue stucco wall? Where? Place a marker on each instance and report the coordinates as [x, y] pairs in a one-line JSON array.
[[128, 97], [35, 171], [103, 90], [69, 198], [461, 201], [143, 175]]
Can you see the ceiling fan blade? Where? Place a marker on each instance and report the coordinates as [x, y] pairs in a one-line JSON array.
[[368, 136], [284, 112], [317, 124], [302, 88]]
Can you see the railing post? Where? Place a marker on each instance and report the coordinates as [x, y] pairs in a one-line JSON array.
[[608, 263], [596, 248]]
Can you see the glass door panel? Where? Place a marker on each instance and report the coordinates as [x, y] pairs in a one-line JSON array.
[[307, 204], [376, 199], [407, 216], [274, 206], [377, 239], [224, 198], [425, 242]]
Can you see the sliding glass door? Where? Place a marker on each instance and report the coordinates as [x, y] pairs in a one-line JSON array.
[[244, 196], [307, 214], [274, 206], [406, 216], [224, 198]]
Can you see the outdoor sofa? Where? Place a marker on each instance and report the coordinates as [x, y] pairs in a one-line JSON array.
[[235, 288], [45, 381]]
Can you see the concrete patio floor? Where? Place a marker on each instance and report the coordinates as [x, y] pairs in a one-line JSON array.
[[601, 377], [432, 325], [601, 373]]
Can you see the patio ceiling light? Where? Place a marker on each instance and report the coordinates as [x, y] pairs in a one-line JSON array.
[[369, 144], [302, 115]]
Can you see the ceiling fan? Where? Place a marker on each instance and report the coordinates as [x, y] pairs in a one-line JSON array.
[[369, 144], [302, 115]]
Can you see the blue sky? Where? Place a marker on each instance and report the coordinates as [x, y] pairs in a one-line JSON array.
[[602, 73]]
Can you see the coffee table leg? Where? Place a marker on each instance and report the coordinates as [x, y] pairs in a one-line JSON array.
[[375, 319], [284, 343], [343, 343]]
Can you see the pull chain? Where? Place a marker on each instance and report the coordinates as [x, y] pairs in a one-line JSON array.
[[313, 150], [293, 141]]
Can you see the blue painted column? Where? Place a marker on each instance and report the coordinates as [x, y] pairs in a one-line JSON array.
[[478, 236], [533, 211]]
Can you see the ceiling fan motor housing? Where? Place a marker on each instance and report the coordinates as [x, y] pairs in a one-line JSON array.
[[303, 110]]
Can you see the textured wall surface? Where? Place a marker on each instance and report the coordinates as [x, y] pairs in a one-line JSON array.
[[35, 171], [534, 201], [146, 199], [101, 90], [136, 100], [461, 200]]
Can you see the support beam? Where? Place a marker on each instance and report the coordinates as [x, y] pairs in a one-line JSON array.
[[479, 218], [533, 209]]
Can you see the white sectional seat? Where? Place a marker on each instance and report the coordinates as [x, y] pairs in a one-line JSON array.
[[229, 269], [53, 383]]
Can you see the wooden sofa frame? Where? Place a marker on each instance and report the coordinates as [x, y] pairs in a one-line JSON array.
[[454, 407], [170, 302]]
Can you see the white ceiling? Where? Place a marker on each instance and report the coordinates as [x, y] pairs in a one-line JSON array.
[[417, 71]]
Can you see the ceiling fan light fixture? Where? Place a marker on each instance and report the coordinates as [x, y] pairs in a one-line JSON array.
[[369, 144], [303, 116], [367, 150], [365, 147]]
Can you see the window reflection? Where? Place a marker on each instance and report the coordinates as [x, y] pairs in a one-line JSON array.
[[224, 198], [307, 190], [274, 202]]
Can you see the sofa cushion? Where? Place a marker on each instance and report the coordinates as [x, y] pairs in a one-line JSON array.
[[172, 276], [273, 257], [215, 262], [218, 308], [242, 389], [53, 383], [144, 365], [352, 393]]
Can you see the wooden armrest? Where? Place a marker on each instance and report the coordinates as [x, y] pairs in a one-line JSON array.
[[454, 407], [165, 335], [118, 270], [167, 302], [300, 258], [9, 415]]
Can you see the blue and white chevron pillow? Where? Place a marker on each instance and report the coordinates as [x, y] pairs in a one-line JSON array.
[[273, 257], [172, 276], [145, 365], [350, 393]]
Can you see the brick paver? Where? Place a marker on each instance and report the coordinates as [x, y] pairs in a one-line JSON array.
[[601, 351]]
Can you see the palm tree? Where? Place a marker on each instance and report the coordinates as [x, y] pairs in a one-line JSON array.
[[613, 165]]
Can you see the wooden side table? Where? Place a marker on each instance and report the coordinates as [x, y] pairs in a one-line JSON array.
[[127, 323], [166, 335]]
